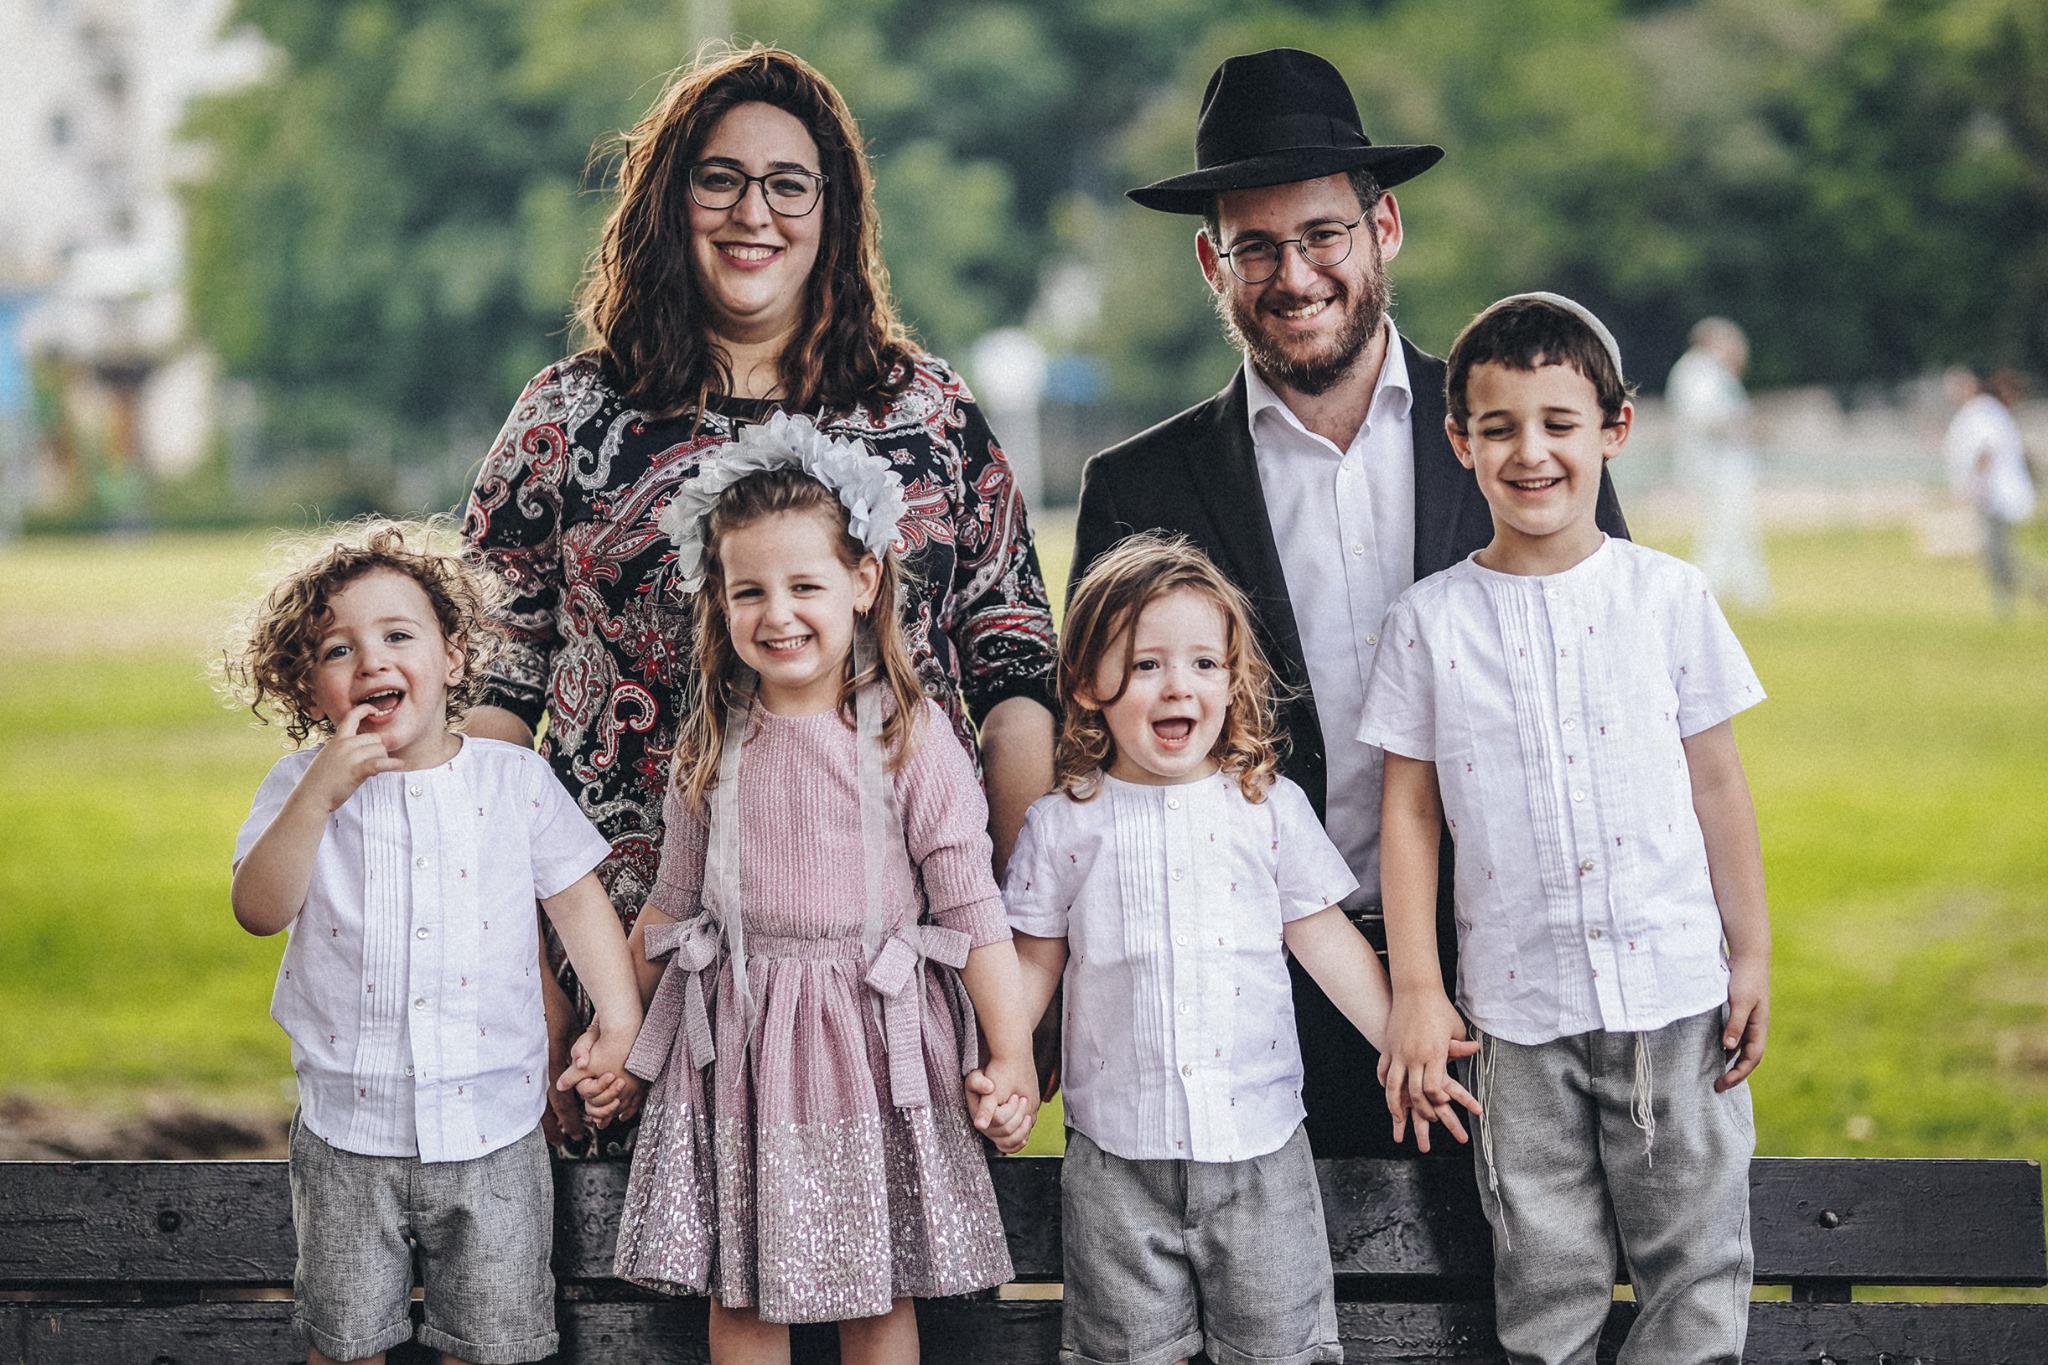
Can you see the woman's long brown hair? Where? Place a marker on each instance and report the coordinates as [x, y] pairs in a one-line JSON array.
[[773, 493], [639, 309]]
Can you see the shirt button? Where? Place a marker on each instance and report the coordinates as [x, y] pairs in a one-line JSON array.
[[1176, 874], [1181, 939], [1570, 724], [1187, 1071], [1594, 934], [1578, 796], [408, 1071], [419, 862], [1358, 549], [1185, 1008], [1372, 639], [420, 1003], [414, 789], [1550, 593], [1173, 803], [419, 933], [1350, 462], [1586, 866]]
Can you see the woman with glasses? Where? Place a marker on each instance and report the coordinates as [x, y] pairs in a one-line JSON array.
[[737, 276]]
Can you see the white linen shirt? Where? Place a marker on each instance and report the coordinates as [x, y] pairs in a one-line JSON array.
[[1179, 1025], [1344, 523], [410, 984], [1999, 486], [1554, 708]]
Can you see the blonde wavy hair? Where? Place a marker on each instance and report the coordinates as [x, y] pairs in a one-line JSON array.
[[700, 742], [1101, 616], [268, 663]]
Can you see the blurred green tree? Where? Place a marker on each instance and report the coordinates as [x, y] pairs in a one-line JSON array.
[[392, 227], [1862, 183]]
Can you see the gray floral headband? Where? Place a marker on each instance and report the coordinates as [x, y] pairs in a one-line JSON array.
[[867, 486]]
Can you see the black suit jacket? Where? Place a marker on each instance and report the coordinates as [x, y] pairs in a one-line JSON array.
[[1196, 474]]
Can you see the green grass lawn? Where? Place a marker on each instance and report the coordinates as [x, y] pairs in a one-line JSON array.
[[1900, 767]]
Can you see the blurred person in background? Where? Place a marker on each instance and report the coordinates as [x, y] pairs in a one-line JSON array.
[[1320, 480], [1987, 468], [738, 275], [1716, 461]]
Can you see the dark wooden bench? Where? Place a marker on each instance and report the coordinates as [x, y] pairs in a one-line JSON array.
[[183, 1263]]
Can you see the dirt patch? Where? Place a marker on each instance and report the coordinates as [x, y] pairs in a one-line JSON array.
[[163, 1130]]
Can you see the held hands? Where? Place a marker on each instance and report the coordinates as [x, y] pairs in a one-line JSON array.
[[346, 761], [597, 1073], [1749, 1020], [1423, 1035], [1002, 1099]]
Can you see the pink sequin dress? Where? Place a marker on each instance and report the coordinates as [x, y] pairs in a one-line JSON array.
[[828, 1167]]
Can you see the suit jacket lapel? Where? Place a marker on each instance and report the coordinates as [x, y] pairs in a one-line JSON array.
[[1441, 484], [1236, 504]]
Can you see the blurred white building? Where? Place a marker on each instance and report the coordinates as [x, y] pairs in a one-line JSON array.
[[91, 230]]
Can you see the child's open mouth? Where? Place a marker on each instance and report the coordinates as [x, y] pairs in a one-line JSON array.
[[1173, 731], [385, 702]]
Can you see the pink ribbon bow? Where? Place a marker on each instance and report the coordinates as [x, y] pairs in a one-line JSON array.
[[678, 1007], [895, 977]]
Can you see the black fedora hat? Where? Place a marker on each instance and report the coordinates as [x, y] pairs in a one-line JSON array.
[[1273, 118]]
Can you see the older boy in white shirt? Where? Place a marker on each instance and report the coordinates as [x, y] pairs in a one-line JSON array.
[[1564, 699]]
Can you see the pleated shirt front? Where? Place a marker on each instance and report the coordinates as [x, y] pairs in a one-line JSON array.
[[1179, 1018], [410, 984], [1555, 709]]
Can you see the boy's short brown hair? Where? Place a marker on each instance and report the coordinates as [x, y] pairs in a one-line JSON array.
[[1522, 334], [269, 668]]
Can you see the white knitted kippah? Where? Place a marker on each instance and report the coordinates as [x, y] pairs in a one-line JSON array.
[[1576, 309]]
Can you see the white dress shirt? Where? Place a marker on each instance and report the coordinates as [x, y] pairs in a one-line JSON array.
[[411, 982], [1554, 708], [1344, 522], [1179, 1039], [2000, 486]]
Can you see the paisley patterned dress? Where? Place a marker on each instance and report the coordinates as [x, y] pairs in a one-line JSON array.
[[565, 512]]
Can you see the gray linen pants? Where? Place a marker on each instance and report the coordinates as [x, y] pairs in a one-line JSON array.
[[1605, 1134]]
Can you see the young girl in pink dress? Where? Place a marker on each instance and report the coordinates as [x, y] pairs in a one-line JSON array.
[[831, 931]]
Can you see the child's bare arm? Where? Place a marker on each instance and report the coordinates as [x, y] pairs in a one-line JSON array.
[[1735, 864], [1040, 963], [589, 929], [995, 984], [270, 884], [1337, 956], [1422, 1024], [1008, 1124]]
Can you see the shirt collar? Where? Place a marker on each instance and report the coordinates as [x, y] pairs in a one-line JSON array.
[[1392, 394]]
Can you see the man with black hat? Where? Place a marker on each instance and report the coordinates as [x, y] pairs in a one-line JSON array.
[[1320, 479]]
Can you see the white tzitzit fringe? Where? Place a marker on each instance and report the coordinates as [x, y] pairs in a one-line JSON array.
[[1482, 1082], [1642, 1099]]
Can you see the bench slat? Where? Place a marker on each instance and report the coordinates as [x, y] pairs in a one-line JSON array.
[[1880, 1221], [1024, 1333], [1848, 1220]]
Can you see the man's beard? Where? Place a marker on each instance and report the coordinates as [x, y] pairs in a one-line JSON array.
[[1318, 372]]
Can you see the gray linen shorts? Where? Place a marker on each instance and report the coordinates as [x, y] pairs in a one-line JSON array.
[[1602, 1137], [1165, 1258], [482, 1229]]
